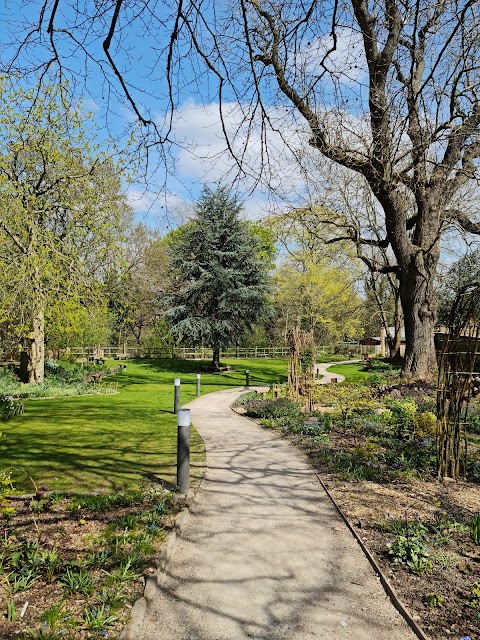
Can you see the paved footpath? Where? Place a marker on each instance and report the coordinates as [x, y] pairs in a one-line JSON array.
[[264, 554], [322, 370]]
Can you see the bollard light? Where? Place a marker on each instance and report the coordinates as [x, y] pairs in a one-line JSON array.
[[176, 395], [183, 450], [198, 384], [247, 378]]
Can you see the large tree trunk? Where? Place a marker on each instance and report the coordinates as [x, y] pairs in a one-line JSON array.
[[216, 358], [418, 302], [36, 365]]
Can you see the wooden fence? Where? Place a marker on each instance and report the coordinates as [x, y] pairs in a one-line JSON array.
[[183, 353]]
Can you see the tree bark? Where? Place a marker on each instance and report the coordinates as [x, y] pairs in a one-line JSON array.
[[216, 358], [418, 302], [36, 365]]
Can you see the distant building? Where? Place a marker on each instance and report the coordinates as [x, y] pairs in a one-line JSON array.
[[378, 345]]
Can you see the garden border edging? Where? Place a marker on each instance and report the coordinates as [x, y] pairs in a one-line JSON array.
[[395, 600], [390, 591], [154, 581]]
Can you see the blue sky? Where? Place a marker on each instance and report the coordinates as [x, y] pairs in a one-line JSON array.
[[200, 153]]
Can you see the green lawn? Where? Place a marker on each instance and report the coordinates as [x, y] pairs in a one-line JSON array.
[[352, 371], [108, 442]]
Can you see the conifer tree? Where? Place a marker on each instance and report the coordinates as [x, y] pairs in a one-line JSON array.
[[220, 285]]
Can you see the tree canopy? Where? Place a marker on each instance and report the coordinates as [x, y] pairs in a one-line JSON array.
[[61, 210]]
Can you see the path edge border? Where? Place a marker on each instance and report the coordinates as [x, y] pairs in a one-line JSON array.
[[153, 581], [390, 591], [392, 594]]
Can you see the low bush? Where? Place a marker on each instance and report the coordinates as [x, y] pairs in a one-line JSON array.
[[272, 408]]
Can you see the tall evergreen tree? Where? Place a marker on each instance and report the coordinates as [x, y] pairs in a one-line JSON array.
[[220, 286]]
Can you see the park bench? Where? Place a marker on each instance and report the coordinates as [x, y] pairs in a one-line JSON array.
[[98, 356]]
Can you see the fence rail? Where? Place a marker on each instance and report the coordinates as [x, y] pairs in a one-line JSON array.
[[183, 353]]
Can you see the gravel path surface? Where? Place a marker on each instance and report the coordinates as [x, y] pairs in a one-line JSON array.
[[265, 554]]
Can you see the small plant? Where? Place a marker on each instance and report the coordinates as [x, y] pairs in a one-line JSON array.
[[445, 560], [475, 528], [9, 407], [474, 596], [409, 549], [124, 573], [100, 559], [434, 600], [111, 597], [144, 545], [57, 617], [6, 485], [98, 618], [12, 613], [77, 581], [96, 503], [16, 583]]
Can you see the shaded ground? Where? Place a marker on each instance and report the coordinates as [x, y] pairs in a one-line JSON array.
[[265, 555]]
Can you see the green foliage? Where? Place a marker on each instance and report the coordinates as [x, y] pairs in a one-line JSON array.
[[409, 548], [57, 617], [220, 289], [12, 613], [317, 296], [474, 596], [401, 418], [77, 580], [112, 597], [272, 408], [98, 618], [475, 528], [61, 211], [6, 485], [435, 600], [425, 425], [19, 582], [348, 400]]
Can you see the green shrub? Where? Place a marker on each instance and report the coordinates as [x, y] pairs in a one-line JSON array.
[[273, 408], [401, 418], [434, 600]]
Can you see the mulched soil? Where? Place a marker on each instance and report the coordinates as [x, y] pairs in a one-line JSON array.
[[372, 508], [76, 535]]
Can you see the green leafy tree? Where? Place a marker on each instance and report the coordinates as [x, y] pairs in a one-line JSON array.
[[134, 284], [61, 209], [318, 297], [220, 283]]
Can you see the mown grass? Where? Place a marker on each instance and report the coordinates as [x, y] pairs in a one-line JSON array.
[[108, 443], [353, 372]]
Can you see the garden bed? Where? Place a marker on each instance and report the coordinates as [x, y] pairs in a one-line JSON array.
[[74, 566], [380, 469]]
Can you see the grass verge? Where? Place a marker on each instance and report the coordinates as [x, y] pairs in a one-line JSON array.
[[108, 443], [353, 372]]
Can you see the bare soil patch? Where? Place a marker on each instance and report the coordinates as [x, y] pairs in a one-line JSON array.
[[376, 509]]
